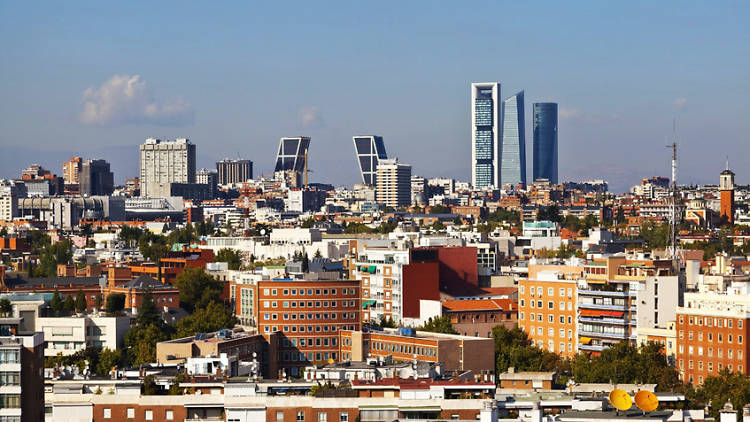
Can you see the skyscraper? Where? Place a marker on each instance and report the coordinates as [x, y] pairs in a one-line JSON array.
[[291, 157], [208, 177], [393, 184], [370, 150], [513, 159], [234, 171], [164, 163], [545, 141], [96, 178], [486, 130]]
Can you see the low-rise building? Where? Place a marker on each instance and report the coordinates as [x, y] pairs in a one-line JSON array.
[[478, 317], [68, 335]]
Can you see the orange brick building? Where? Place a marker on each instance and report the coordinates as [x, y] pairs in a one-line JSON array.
[[547, 313]]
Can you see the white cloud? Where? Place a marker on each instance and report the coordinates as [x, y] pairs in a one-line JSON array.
[[569, 113], [310, 118], [126, 99], [680, 102]]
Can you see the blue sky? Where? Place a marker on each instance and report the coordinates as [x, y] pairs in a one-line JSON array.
[[96, 78]]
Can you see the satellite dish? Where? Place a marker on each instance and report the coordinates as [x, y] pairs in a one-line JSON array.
[[646, 401], [331, 361], [620, 399], [262, 232]]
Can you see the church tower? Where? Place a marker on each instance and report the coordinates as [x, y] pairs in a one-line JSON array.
[[726, 191]]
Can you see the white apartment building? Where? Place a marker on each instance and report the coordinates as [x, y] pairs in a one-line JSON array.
[[68, 335], [163, 163], [393, 184], [380, 271]]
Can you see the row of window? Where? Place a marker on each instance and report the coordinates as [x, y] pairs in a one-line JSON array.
[[301, 328], [311, 316], [719, 352], [309, 304], [550, 318], [10, 356], [550, 332], [551, 346], [10, 378], [710, 336], [308, 357], [317, 292], [550, 305], [709, 366], [711, 322], [322, 417], [404, 349], [148, 414], [539, 291], [310, 342]]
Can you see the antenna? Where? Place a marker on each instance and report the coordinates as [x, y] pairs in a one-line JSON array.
[[673, 188]]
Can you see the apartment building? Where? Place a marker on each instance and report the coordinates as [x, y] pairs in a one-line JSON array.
[[68, 335], [456, 352], [477, 317], [21, 362], [308, 315], [547, 311], [712, 331]]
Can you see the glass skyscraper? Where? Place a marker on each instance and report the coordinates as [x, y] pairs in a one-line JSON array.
[[486, 130], [545, 141], [513, 149], [370, 150]]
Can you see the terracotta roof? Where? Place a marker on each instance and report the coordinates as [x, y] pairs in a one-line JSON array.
[[479, 305], [498, 290]]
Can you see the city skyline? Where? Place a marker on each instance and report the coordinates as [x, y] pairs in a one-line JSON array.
[[623, 86]]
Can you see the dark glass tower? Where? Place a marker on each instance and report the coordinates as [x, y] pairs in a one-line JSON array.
[[370, 150], [545, 141]]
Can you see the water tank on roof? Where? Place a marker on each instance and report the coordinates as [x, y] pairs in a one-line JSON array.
[[407, 331]]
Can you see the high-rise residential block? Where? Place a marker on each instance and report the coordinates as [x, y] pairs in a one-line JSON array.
[[96, 178], [513, 158], [545, 141], [164, 163], [72, 171], [210, 178], [486, 130], [370, 150], [234, 171], [393, 183], [22, 363]]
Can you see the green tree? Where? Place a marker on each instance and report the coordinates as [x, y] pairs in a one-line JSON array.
[[386, 323], [438, 226], [551, 213], [140, 343], [99, 301], [441, 324], [213, 317], [655, 235], [197, 289], [69, 305], [6, 308], [175, 389], [115, 303], [717, 390], [439, 209], [80, 303], [230, 256], [356, 228], [318, 254], [108, 358], [56, 304], [149, 387], [148, 313], [309, 223], [53, 255], [513, 349], [305, 263], [38, 241]]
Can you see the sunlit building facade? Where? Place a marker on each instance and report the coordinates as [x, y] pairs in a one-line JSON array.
[[486, 130], [513, 159]]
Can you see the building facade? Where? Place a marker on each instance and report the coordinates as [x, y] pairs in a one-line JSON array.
[[486, 130], [291, 158], [234, 171], [545, 142], [96, 178], [513, 159], [210, 178], [164, 163], [393, 182], [726, 192], [370, 150], [308, 315], [547, 312]]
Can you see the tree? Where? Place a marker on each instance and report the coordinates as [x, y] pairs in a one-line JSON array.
[[6, 308], [230, 256], [148, 386], [147, 311], [439, 209], [197, 289], [441, 324], [656, 236], [717, 390], [69, 305], [305, 263], [56, 304], [115, 303], [175, 389], [213, 317], [53, 255], [108, 359], [551, 213], [80, 303], [438, 226], [318, 254], [386, 323], [513, 348], [99, 301], [140, 343], [309, 223]]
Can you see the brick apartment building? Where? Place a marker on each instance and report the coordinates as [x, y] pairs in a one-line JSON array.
[[478, 317], [308, 315], [712, 332], [547, 313]]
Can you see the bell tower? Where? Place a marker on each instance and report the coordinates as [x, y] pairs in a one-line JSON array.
[[726, 192]]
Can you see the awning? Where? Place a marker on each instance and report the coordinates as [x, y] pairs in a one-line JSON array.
[[600, 313], [373, 269], [366, 303], [584, 340]]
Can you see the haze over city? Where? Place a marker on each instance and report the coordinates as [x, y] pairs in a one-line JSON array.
[[98, 79]]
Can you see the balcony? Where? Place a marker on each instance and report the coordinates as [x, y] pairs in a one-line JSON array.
[[622, 308], [619, 336], [610, 321], [591, 347], [606, 293]]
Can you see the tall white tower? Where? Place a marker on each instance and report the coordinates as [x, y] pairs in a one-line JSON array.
[[486, 132]]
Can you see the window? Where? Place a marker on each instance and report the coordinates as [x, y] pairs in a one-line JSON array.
[[130, 413], [149, 416], [107, 413], [550, 291], [322, 417], [532, 291], [550, 305], [343, 417], [562, 292], [300, 416], [279, 416]]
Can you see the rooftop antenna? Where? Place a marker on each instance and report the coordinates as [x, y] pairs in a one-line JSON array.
[[673, 188]]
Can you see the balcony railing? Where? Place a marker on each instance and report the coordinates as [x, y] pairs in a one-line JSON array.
[[606, 293], [602, 306], [622, 336], [613, 321]]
